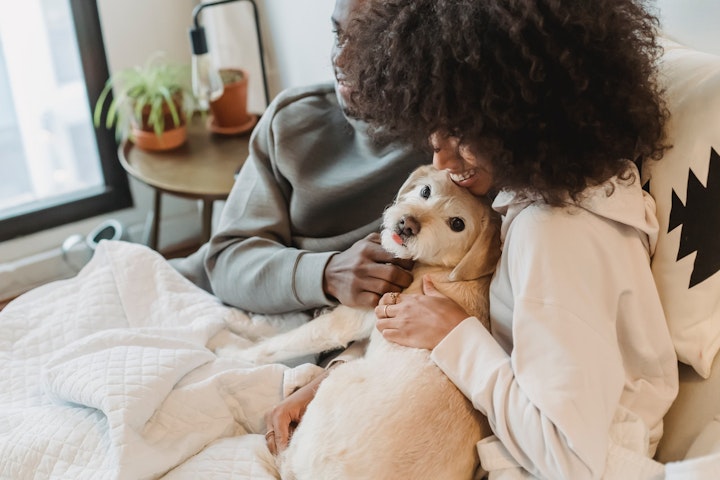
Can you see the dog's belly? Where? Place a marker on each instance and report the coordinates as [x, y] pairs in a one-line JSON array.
[[390, 415]]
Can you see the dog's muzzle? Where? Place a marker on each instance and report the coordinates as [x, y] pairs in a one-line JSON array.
[[407, 227]]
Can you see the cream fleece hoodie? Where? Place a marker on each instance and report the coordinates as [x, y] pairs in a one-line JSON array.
[[579, 357]]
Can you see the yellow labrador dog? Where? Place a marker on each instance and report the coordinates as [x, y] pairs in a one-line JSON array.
[[393, 414], [451, 234]]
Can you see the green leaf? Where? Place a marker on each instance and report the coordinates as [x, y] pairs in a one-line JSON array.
[[155, 83]]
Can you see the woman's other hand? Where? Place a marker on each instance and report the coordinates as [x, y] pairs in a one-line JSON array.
[[418, 320]]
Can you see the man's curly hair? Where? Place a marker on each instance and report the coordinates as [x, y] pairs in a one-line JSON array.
[[559, 94]]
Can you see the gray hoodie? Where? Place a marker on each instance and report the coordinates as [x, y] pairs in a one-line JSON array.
[[314, 183]]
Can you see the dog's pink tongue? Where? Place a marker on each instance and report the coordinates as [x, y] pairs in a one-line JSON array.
[[396, 238]]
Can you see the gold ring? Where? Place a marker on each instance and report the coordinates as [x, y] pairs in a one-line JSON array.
[[394, 296], [269, 434], [385, 311]]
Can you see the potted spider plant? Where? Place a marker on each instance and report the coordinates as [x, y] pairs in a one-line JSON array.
[[150, 105]]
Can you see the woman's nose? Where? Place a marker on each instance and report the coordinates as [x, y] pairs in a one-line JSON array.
[[445, 158]]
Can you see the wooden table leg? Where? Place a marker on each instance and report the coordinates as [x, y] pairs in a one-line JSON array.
[[154, 233], [207, 212]]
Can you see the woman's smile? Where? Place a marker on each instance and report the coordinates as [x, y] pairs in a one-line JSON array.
[[466, 169]]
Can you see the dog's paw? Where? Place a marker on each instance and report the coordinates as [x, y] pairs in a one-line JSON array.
[[232, 352], [259, 355], [256, 355], [227, 351], [225, 338]]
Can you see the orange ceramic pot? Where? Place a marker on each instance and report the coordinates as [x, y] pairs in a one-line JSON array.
[[167, 140], [230, 110], [144, 136]]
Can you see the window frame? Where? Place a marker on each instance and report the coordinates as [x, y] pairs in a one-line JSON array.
[[115, 194]]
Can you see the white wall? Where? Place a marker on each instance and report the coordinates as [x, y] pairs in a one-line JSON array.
[[692, 22], [297, 37], [302, 39]]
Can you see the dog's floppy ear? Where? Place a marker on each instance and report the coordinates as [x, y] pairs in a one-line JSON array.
[[484, 253]]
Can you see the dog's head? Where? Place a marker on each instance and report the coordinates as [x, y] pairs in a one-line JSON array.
[[438, 223]]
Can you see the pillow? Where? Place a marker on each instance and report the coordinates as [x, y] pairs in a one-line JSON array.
[[686, 187], [708, 442], [696, 407]]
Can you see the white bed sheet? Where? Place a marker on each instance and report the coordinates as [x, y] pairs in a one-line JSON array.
[[108, 375]]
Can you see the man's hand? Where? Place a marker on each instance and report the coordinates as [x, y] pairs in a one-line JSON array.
[[282, 420], [360, 275]]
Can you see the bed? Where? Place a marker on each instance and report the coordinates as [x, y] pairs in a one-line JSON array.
[[111, 374]]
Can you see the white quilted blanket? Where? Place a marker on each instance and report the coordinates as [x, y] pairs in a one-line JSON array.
[[108, 375]]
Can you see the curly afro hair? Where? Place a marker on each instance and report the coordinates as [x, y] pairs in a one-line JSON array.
[[559, 94]]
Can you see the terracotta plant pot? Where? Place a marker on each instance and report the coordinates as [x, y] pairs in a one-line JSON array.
[[167, 140], [144, 136], [229, 112]]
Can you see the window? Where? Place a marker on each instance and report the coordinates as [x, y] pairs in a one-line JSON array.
[[55, 167]]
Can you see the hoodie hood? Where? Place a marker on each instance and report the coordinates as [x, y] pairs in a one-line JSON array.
[[614, 200]]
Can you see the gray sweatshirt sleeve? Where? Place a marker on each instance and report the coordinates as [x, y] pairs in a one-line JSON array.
[[251, 263]]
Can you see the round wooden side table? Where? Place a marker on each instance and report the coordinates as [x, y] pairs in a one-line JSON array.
[[203, 168]]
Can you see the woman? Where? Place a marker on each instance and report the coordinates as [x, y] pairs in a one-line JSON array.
[[543, 104]]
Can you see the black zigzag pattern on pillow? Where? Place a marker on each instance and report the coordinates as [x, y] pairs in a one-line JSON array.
[[700, 220], [639, 164]]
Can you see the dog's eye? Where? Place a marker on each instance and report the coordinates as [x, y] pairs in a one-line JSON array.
[[457, 224], [425, 192]]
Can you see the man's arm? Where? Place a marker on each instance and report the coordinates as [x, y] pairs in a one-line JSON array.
[[280, 246], [250, 262]]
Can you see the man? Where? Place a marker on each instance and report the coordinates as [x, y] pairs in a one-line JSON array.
[[299, 229]]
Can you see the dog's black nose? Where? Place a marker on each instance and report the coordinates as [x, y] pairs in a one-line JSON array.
[[408, 226]]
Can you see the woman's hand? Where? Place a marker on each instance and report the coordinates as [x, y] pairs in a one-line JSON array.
[[420, 320]]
